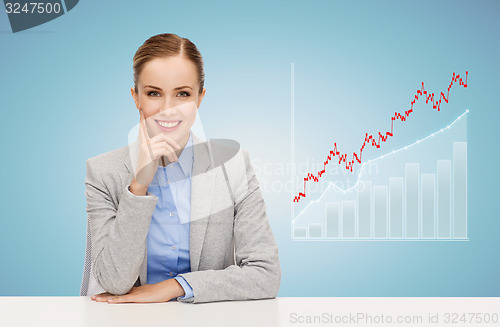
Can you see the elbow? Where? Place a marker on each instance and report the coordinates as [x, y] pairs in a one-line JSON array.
[[275, 281], [113, 283], [275, 277], [118, 289], [114, 286], [272, 283]]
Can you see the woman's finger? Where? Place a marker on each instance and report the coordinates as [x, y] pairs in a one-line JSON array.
[[142, 128], [122, 299], [101, 294], [143, 132], [165, 149], [172, 146], [169, 150], [171, 141], [93, 297], [103, 297], [163, 138]]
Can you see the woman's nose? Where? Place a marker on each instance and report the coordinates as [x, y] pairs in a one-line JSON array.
[[165, 105]]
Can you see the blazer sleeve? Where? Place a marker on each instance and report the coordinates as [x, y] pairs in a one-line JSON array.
[[257, 272], [119, 229]]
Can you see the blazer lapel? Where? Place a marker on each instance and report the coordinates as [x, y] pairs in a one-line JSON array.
[[202, 186]]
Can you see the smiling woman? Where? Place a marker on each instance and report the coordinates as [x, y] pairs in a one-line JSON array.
[[166, 219], [169, 82]]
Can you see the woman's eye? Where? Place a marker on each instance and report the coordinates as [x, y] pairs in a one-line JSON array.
[[184, 93], [154, 92]]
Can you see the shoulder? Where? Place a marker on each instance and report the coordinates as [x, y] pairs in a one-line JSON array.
[[111, 161]]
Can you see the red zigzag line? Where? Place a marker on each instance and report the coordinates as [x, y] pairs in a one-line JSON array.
[[371, 140]]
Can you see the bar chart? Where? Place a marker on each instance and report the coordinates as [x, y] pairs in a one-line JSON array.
[[416, 206], [412, 196], [413, 189]]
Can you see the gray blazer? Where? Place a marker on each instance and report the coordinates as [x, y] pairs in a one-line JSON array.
[[233, 253]]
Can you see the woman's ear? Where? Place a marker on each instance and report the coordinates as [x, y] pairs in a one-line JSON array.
[[200, 97], [136, 98]]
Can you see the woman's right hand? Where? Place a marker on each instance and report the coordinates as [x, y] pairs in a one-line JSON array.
[[150, 152]]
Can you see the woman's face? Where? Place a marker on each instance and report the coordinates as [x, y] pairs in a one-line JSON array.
[[168, 94]]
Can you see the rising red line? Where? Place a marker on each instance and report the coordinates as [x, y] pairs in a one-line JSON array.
[[371, 140]]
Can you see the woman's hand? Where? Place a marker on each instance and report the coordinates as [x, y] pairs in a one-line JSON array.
[[149, 293], [150, 151]]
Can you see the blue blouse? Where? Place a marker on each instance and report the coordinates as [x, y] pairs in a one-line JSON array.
[[168, 236]]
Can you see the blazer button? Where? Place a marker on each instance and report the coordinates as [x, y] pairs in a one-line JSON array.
[[171, 273]]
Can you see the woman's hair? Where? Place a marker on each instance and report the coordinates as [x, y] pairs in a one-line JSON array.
[[166, 45]]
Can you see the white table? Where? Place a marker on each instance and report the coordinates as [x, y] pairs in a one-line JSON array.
[[292, 311]]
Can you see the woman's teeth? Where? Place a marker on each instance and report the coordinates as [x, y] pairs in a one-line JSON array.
[[168, 125]]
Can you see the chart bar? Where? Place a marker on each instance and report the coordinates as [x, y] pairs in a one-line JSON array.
[[314, 230], [332, 220], [428, 204], [444, 198], [380, 210], [396, 206], [348, 217], [300, 232], [459, 189], [411, 196], [364, 209]]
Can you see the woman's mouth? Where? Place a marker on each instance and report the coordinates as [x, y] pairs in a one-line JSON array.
[[168, 125]]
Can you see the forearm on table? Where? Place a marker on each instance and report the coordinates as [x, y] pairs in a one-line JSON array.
[[119, 242], [234, 283]]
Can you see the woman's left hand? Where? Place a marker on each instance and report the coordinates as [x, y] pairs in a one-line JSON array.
[[149, 293]]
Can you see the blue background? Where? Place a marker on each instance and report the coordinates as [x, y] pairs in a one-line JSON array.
[[65, 97]]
